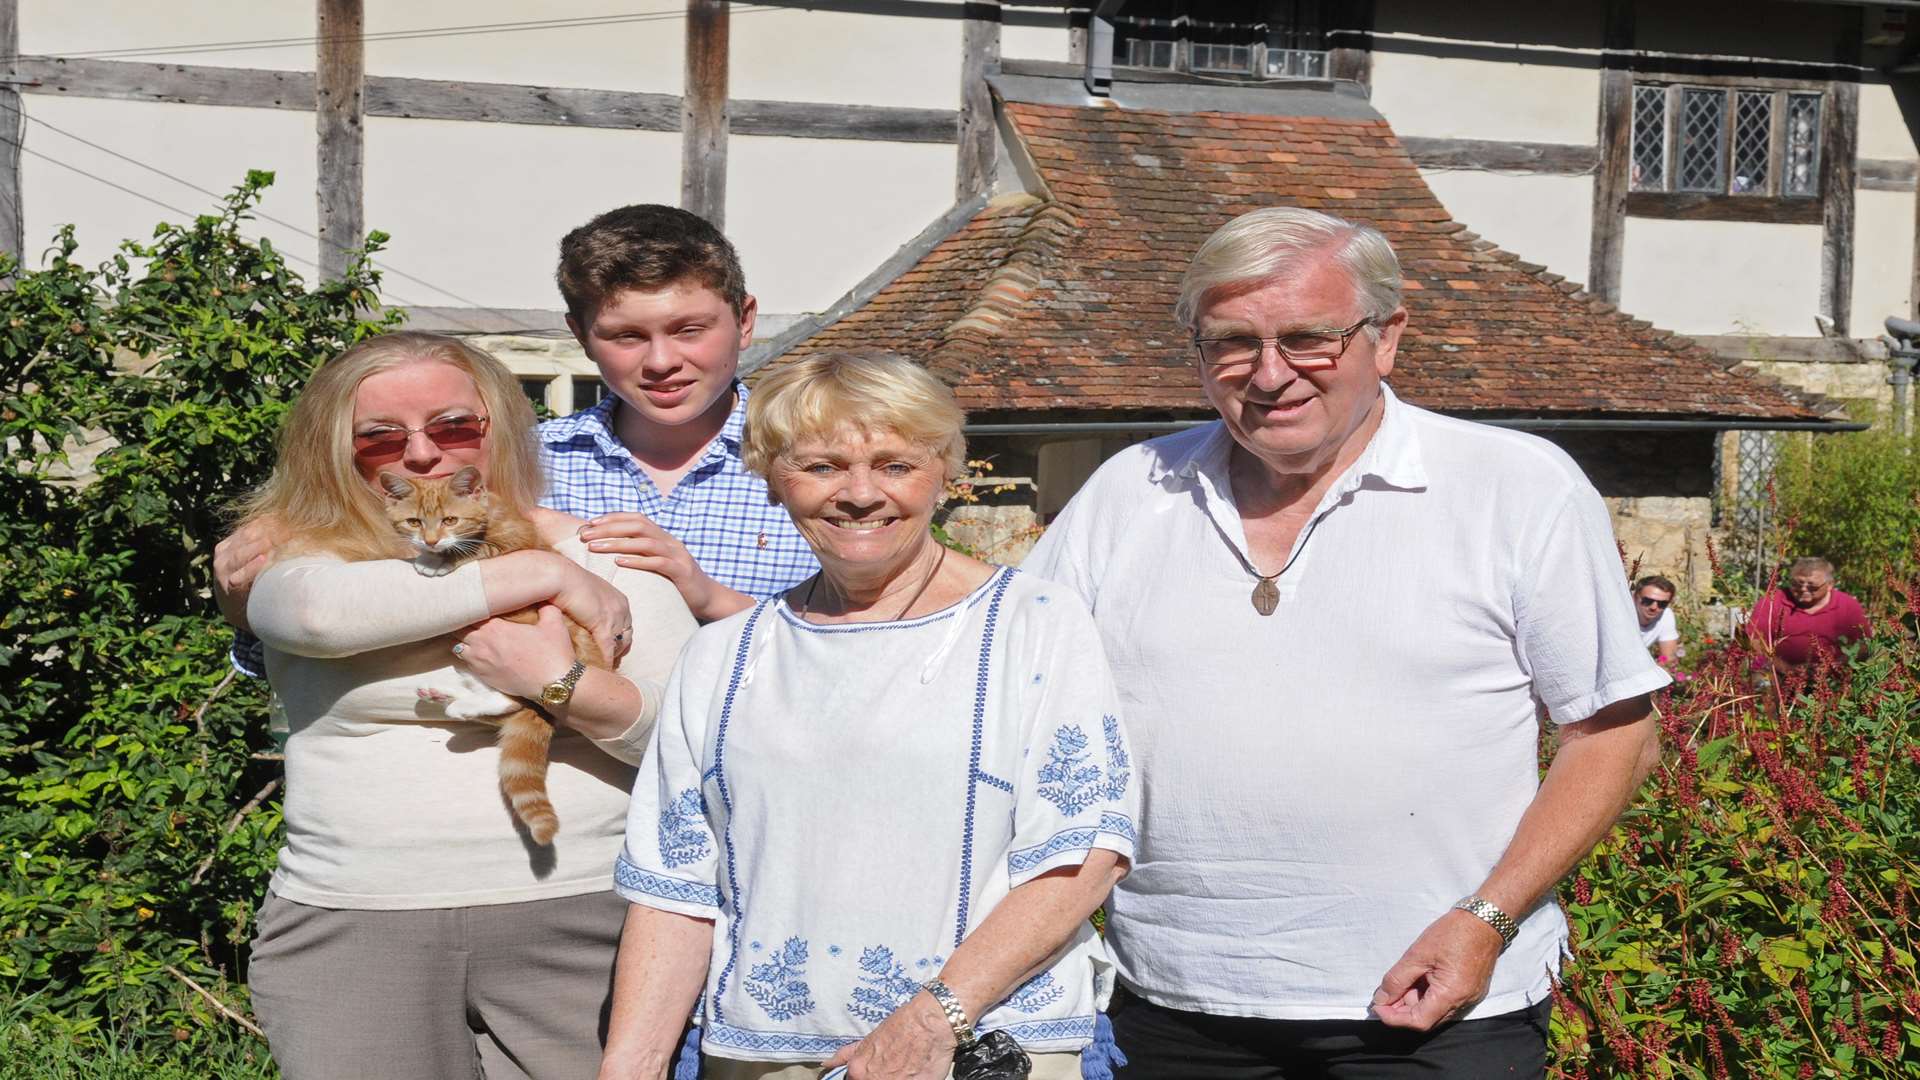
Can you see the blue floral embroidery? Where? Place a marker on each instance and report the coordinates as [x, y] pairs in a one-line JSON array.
[[682, 837], [1119, 765], [1036, 993], [780, 984], [885, 985], [1068, 780]]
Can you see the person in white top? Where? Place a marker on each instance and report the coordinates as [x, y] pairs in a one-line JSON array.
[[879, 810], [1332, 617], [1653, 603], [411, 929]]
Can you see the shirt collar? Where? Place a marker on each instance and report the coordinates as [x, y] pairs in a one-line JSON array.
[[1392, 456], [597, 424]]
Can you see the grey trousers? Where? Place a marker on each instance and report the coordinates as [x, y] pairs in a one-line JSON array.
[[505, 991]]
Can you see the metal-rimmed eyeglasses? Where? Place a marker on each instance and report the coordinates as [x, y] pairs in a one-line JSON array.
[[1310, 350]]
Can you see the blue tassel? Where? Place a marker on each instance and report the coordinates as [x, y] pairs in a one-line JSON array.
[[686, 1064], [1099, 1059]]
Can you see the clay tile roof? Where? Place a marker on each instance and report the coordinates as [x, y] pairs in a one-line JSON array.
[[1063, 302]]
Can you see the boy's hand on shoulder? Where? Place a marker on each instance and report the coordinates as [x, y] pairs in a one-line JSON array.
[[637, 543]]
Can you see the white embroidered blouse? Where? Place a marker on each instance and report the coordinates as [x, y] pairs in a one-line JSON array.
[[847, 802]]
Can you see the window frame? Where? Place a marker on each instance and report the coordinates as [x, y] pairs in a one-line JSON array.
[[1768, 202]]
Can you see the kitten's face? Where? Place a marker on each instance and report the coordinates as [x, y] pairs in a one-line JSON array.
[[444, 518]]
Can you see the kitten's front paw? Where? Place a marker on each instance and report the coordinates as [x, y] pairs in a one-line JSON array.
[[436, 568], [438, 697]]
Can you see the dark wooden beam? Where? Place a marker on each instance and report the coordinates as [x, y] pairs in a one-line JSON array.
[[979, 58], [499, 103], [1885, 174], [1563, 159], [703, 113], [1839, 145], [13, 124], [339, 117], [1613, 133], [1350, 52], [1684, 206]]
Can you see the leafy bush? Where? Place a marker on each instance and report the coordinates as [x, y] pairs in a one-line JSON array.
[[127, 753], [1851, 499], [1754, 913]]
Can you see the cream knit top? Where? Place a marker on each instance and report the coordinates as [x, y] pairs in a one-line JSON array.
[[389, 804]]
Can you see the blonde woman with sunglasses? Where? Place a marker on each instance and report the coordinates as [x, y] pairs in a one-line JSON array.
[[411, 929]]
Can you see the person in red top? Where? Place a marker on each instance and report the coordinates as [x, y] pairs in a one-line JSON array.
[[1786, 622]]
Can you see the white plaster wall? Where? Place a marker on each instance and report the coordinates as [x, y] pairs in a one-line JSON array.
[[1479, 99], [811, 217], [86, 27], [1883, 130], [798, 55], [1882, 259], [647, 51], [1542, 219], [479, 209], [1035, 42], [198, 145], [1717, 277]]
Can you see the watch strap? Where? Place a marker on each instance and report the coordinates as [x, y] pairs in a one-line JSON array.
[[956, 1012], [1487, 912], [560, 691]]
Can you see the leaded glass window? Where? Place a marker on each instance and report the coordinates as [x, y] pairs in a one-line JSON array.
[[1715, 141], [1222, 59], [1649, 138], [1802, 173], [1296, 63], [1752, 142], [1700, 125], [1150, 54]]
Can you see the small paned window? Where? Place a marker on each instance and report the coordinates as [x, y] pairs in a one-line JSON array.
[[1254, 39], [1649, 138], [1222, 59], [1296, 63], [1150, 54], [1714, 140], [587, 392], [1802, 157], [535, 389]]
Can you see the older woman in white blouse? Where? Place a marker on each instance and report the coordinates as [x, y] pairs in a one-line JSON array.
[[879, 810]]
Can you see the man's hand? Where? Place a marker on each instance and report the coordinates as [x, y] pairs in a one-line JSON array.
[[237, 560], [1443, 972], [637, 543], [915, 1043]]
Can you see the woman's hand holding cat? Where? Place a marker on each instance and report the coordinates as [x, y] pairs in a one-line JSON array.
[[518, 658], [237, 560], [595, 604]]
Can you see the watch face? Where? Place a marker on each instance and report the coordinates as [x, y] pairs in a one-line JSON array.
[[555, 694]]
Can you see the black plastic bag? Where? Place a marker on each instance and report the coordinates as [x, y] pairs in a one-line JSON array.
[[994, 1056]]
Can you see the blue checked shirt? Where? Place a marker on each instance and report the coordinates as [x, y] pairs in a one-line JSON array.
[[719, 509]]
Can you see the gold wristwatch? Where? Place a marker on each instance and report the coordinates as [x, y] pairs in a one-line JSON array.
[[560, 691]]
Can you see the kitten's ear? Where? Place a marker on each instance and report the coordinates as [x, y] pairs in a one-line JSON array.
[[466, 481], [397, 486]]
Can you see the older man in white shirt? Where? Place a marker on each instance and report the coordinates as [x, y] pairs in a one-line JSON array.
[[1332, 617]]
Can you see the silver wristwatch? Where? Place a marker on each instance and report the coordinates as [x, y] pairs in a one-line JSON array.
[[956, 1012], [1485, 910]]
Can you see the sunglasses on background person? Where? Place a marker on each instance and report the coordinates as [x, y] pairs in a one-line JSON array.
[[1661, 604], [389, 442]]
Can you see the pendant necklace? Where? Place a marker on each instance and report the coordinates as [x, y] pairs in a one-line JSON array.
[[1266, 595]]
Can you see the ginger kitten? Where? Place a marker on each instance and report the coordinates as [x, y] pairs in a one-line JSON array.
[[451, 520]]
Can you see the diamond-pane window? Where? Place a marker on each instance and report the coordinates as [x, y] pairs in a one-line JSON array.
[[1701, 128], [1801, 174], [1649, 138], [1752, 142]]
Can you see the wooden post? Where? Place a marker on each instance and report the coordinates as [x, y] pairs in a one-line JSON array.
[[979, 57], [339, 107], [1352, 56], [13, 126], [704, 123], [1839, 145], [1614, 139]]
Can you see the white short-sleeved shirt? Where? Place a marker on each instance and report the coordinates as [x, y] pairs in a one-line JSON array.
[[1663, 629], [1323, 783], [848, 802]]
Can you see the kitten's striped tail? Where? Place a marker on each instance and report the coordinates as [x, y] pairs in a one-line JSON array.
[[523, 772]]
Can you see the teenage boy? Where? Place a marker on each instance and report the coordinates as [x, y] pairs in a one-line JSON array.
[[658, 301]]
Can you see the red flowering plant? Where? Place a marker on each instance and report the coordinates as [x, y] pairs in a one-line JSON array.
[[1753, 914]]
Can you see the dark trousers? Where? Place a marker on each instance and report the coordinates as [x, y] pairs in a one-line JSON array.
[[1167, 1044]]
